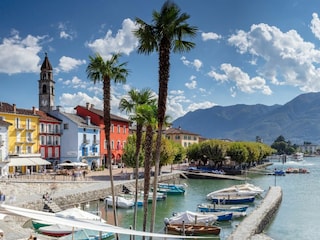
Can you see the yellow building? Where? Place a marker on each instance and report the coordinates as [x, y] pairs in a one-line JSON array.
[[183, 137], [23, 135]]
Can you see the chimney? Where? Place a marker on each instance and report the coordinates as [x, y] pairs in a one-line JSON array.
[[34, 110], [88, 118], [14, 108], [88, 105]]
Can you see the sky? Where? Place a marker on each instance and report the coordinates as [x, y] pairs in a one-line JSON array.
[[247, 51]]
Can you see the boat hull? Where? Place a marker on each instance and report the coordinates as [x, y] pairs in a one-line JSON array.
[[233, 200], [192, 230], [222, 208]]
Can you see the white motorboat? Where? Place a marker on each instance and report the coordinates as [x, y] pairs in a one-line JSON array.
[[121, 202], [246, 189]]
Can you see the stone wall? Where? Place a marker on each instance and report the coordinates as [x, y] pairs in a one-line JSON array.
[[256, 222]]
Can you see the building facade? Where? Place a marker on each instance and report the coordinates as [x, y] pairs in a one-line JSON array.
[[80, 139], [183, 137], [119, 132], [49, 138]]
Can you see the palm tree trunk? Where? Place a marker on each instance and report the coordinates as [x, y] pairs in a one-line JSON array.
[[147, 167], [107, 124], [137, 153]]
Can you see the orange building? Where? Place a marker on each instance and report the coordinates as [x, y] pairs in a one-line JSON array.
[[119, 132]]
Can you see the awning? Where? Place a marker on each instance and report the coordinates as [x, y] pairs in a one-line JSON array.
[[24, 161], [15, 162], [40, 161]]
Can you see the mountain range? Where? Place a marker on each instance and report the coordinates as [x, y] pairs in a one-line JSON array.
[[297, 121]]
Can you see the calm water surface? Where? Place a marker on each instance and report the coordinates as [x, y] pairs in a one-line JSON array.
[[297, 218]]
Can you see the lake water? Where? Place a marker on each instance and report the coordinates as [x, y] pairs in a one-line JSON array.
[[297, 218]]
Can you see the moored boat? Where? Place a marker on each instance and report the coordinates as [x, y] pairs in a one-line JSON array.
[[233, 199], [297, 170], [192, 229], [57, 230], [212, 207], [298, 156], [189, 217], [171, 189], [246, 189], [121, 202]]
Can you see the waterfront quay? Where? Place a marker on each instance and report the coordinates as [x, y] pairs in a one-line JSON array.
[[28, 192]]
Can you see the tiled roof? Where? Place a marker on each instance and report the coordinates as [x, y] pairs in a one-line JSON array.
[[101, 114], [81, 122], [46, 117], [8, 108], [178, 131]]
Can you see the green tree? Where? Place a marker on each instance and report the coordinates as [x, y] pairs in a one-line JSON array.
[[238, 152], [132, 104], [164, 35], [99, 70]]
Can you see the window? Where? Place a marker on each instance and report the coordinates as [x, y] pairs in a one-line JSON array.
[[112, 144], [49, 152], [84, 138], [177, 137], [112, 128], [118, 128], [18, 149], [29, 137], [42, 128], [28, 122], [124, 129], [105, 144], [17, 122], [44, 87], [57, 127], [50, 129], [118, 145], [29, 149], [50, 140], [84, 151], [66, 126], [95, 139], [42, 140]]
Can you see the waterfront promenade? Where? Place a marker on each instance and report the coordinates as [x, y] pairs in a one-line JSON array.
[[28, 193]]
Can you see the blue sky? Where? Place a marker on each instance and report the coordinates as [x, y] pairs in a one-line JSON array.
[[247, 51]]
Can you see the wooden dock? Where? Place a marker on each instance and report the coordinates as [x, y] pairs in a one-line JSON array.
[[202, 175]]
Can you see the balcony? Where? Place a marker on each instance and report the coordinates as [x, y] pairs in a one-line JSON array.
[[86, 141], [95, 142], [30, 127], [1, 143], [20, 127]]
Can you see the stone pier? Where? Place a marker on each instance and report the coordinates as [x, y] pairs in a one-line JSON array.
[[253, 225]]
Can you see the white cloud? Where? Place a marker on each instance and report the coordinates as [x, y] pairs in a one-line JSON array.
[[242, 80], [66, 64], [66, 33], [201, 105], [315, 25], [197, 64], [68, 101], [287, 58], [75, 83], [210, 36], [192, 84], [123, 42], [19, 55]]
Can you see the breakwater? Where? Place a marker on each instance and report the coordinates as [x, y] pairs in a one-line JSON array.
[[256, 222]]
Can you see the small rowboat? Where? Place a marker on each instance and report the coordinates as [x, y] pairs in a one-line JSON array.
[[192, 230]]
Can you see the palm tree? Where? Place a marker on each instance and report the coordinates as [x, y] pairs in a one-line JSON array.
[[132, 104], [149, 113], [99, 70], [164, 35]]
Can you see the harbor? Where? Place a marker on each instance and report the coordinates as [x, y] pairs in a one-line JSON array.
[[195, 194]]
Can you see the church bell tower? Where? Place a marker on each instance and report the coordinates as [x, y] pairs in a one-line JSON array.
[[46, 86]]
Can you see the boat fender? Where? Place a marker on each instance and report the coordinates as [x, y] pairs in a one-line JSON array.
[[166, 221]]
